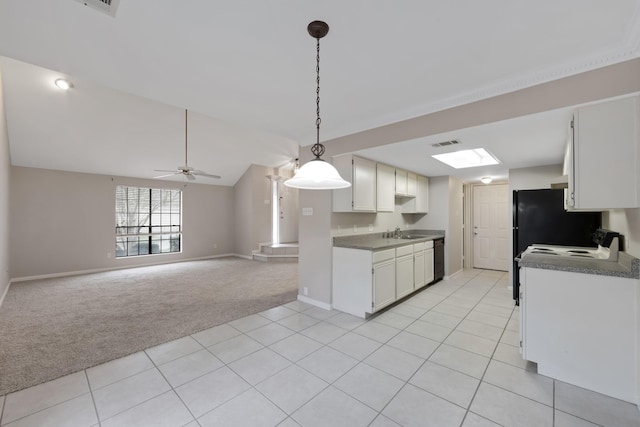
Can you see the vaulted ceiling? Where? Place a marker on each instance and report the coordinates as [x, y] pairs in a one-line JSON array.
[[246, 72]]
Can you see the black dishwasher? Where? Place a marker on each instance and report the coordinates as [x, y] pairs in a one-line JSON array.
[[438, 259]]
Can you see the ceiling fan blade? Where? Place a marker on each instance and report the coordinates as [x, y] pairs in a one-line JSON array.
[[167, 175], [200, 173], [190, 177], [166, 170]]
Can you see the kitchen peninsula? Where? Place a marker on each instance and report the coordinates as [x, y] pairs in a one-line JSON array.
[[372, 271], [579, 321]]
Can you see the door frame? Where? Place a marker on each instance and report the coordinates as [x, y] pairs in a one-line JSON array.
[[468, 191]]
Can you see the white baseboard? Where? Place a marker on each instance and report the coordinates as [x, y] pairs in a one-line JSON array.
[[242, 256], [101, 270], [4, 294], [312, 301], [451, 276]]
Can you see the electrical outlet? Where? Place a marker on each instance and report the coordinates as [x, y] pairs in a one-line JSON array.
[[355, 228], [305, 291], [370, 227], [215, 246], [109, 255]]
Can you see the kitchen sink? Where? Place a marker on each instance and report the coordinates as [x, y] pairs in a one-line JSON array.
[[412, 236]]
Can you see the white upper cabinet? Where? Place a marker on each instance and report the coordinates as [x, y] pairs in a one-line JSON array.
[[401, 182], [361, 173], [385, 187], [406, 183], [604, 156], [420, 203], [412, 184]]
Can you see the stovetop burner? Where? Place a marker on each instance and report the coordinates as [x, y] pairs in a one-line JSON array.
[[607, 250]]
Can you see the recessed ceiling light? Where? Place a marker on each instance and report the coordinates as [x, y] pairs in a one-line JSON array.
[[63, 84], [467, 158], [486, 180]]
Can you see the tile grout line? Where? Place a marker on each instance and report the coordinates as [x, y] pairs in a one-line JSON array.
[[93, 400], [436, 349], [485, 369], [43, 409], [171, 386]]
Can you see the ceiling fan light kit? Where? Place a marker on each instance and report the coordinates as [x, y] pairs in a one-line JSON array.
[[317, 174], [186, 170]]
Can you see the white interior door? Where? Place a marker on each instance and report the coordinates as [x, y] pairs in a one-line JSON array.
[[491, 227]]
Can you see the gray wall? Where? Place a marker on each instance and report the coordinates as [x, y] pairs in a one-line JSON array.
[[252, 209], [5, 171], [314, 262], [64, 222], [243, 205], [626, 222], [454, 232]]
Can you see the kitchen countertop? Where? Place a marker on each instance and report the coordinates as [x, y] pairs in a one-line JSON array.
[[375, 241], [627, 266]]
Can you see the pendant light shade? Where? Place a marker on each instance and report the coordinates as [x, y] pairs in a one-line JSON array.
[[317, 174]]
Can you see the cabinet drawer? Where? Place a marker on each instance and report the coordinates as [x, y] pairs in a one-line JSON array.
[[428, 244], [384, 255], [404, 250], [417, 247]]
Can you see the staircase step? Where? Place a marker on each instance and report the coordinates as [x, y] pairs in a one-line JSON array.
[[275, 258]]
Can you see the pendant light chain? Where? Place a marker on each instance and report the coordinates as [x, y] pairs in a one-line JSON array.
[[317, 149], [317, 174]]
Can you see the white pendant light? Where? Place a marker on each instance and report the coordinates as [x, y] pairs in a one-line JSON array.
[[317, 174]]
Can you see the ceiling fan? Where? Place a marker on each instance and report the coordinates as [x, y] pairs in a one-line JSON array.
[[186, 170]]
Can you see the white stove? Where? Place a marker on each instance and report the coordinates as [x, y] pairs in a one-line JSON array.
[[607, 250]]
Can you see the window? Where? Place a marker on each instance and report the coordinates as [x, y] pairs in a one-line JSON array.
[[148, 221]]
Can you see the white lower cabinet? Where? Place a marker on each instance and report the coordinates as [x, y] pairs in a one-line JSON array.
[[404, 271], [366, 281], [428, 264], [581, 329], [418, 266], [384, 283]]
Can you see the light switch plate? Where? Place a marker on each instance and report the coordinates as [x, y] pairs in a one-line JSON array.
[[307, 211]]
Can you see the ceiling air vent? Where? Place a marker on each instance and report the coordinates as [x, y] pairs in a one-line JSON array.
[[445, 143], [108, 7]]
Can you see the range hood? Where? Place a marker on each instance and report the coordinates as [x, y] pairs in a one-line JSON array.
[[560, 182]]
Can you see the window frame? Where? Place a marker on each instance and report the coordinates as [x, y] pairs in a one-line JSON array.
[[153, 211]]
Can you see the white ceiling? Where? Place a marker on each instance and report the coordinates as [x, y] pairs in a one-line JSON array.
[[246, 69]]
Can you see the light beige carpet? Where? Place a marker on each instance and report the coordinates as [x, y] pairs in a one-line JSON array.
[[53, 327]]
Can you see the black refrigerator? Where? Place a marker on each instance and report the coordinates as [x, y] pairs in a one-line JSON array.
[[539, 217]]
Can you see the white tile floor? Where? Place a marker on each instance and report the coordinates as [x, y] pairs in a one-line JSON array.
[[445, 357]]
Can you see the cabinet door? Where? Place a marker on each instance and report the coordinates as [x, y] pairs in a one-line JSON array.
[[385, 188], [412, 184], [418, 270], [384, 284], [428, 266], [404, 275], [401, 182], [422, 195], [606, 154], [364, 185]]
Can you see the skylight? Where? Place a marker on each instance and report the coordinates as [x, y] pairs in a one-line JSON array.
[[467, 158]]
